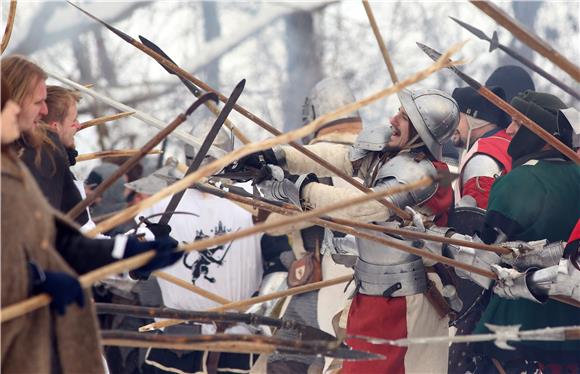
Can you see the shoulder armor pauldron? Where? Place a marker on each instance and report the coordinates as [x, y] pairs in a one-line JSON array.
[[405, 168]]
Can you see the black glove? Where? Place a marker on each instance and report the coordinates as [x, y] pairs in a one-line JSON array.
[[253, 161], [62, 287], [159, 230], [165, 254]]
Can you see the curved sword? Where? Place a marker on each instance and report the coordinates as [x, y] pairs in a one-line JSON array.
[[202, 152]]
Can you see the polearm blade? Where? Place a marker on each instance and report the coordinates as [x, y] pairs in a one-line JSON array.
[[305, 331], [236, 343], [193, 89], [190, 86], [127, 165], [503, 105], [175, 199], [246, 113], [495, 44], [528, 37]]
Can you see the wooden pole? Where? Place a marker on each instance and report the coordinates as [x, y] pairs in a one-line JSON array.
[[288, 209], [182, 135], [380, 40], [188, 286], [114, 153], [527, 37], [130, 163], [88, 279], [104, 119], [9, 26], [169, 65], [507, 108], [255, 300]]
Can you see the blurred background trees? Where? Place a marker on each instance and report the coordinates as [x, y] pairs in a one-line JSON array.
[[281, 48]]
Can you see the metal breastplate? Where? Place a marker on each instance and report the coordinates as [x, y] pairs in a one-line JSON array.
[[382, 270], [390, 280]]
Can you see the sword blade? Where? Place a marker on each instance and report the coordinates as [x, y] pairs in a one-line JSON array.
[[175, 199]]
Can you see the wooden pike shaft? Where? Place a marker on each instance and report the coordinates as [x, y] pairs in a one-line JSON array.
[[531, 125], [134, 262], [140, 115], [104, 119], [113, 153], [246, 113], [127, 165], [528, 37], [322, 221], [255, 300], [233, 347], [88, 279], [220, 163], [9, 26], [188, 286], [263, 124], [314, 346], [380, 40], [506, 107]]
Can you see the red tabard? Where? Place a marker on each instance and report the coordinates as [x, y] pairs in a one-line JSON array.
[[386, 317], [379, 317], [495, 146]]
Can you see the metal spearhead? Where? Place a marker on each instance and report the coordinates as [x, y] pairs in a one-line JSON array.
[[434, 55], [475, 31], [503, 334], [124, 36], [148, 43], [494, 42]]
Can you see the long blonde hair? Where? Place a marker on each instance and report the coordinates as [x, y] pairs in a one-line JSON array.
[[22, 77]]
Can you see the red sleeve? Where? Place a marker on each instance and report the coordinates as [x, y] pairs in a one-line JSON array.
[[440, 203], [575, 233], [478, 188]]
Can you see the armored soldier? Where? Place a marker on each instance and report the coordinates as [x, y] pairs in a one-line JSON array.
[[390, 301], [482, 133], [539, 199]]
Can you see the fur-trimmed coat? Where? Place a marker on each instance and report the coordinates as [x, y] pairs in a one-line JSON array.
[[28, 233]]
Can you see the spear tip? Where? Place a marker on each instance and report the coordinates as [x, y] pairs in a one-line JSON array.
[[474, 30], [124, 36]]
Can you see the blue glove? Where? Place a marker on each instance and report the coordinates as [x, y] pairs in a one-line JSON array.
[[62, 287], [165, 254]]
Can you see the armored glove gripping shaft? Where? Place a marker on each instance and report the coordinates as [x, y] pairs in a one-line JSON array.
[[511, 284], [255, 160], [63, 288], [287, 190]]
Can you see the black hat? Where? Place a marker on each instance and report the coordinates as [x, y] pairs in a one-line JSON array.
[[542, 108], [473, 104], [513, 79]]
